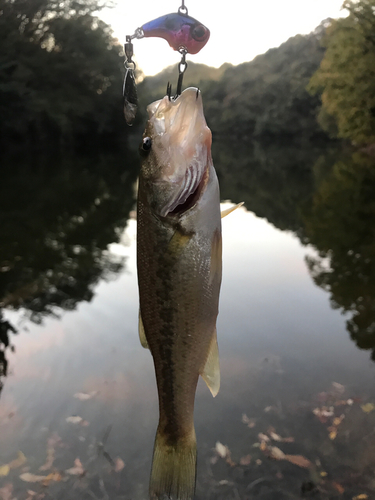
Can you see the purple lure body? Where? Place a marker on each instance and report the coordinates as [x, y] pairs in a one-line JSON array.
[[180, 31]]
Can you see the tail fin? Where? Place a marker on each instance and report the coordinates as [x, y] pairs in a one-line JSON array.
[[174, 468]]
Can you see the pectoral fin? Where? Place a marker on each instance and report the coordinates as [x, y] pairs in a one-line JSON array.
[[228, 211], [211, 371], [141, 331]]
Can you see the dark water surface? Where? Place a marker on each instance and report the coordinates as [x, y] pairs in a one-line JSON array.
[[296, 409]]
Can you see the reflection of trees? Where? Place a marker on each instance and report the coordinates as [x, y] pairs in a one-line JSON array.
[[332, 208], [340, 223], [56, 221], [5, 328], [273, 181]]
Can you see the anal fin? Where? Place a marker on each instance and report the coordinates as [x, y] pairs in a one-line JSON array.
[[211, 371], [141, 331]]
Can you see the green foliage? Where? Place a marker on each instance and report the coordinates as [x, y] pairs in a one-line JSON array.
[[60, 73], [260, 99], [346, 77]]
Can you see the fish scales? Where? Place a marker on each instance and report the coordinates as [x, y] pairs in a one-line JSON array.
[[179, 276]]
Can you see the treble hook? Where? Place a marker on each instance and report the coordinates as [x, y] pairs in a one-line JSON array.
[[182, 66]]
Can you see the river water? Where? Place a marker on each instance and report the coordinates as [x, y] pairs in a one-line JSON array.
[[295, 414]]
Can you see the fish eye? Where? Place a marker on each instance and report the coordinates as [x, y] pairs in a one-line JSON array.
[[199, 33], [146, 144]]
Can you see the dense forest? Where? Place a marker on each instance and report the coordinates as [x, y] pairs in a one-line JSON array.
[[60, 76]]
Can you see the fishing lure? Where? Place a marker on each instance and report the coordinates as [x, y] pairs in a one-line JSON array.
[[183, 33], [180, 30]]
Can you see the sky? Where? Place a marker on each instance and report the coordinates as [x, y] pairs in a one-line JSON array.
[[240, 29]]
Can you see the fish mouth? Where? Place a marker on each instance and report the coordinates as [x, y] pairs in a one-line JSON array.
[[184, 146]]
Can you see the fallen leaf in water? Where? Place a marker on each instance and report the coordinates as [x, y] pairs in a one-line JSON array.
[[250, 422], [31, 478], [276, 453], [258, 461], [45, 480], [18, 462], [83, 396], [119, 464], [75, 419], [280, 439], [362, 496], [337, 420], [4, 470], [77, 470], [368, 407], [339, 387], [323, 473], [263, 446], [246, 460], [298, 460], [52, 442], [6, 492], [338, 487], [333, 434], [223, 452], [263, 437], [275, 436], [268, 408], [324, 411], [221, 449]]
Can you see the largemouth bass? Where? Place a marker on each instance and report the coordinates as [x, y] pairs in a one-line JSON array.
[[179, 277]]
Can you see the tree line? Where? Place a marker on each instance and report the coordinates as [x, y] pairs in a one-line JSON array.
[[315, 86], [60, 75]]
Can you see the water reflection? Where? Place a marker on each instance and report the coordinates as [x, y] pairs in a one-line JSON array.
[[326, 197], [340, 223], [284, 352], [57, 218]]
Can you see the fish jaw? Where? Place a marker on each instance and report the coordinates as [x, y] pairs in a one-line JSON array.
[[180, 156]]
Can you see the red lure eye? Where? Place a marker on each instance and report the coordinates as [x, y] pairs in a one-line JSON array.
[[199, 33]]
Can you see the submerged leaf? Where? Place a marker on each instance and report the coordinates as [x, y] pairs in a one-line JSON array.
[[221, 449], [368, 407], [45, 480], [83, 396], [362, 496], [4, 470], [246, 460], [31, 478], [298, 460], [75, 419], [6, 492], [18, 462], [338, 487], [77, 470], [119, 464], [276, 453]]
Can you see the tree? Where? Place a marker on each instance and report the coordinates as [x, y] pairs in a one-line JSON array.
[[60, 73], [346, 77]]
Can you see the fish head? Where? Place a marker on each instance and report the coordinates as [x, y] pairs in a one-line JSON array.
[[176, 147]]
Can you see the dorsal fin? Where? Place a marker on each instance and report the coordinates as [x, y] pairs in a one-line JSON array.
[[211, 370], [228, 211]]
